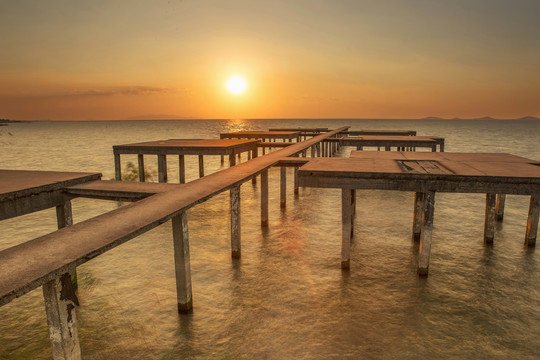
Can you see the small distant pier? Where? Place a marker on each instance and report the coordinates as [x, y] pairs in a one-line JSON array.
[[182, 147], [50, 261]]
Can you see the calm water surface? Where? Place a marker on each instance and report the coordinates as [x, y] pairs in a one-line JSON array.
[[287, 297]]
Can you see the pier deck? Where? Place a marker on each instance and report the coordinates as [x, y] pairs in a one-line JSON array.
[[23, 192], [398, 142], [182, 147], [426, 174], [263, 135], [381, 132]]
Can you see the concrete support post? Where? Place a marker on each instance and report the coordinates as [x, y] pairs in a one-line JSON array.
[[296, 180], [532, 221], [499, 207], [201, 166], [60, 301], [140, 158], [181, 169], [117, 167], [162, 168], [283, 187], [264, 198], [235, 222], [254, 154], [232, 160], [182, 263], [489, 222], [426, 233], [346, 231], [417, 215], [64, 217]]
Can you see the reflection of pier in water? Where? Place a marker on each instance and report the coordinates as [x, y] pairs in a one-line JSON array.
[[48, 260]]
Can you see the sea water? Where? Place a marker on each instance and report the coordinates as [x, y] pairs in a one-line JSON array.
[[287, 297]]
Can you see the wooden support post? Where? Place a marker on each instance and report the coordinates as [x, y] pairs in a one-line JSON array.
[[417, 215], [441, 146], [346, 231], [249, 155], [499, 207], [182, 263], [201, 166], [60, 301], [296, 180], [140, 158], [232, 160], [532, 221], [387, 148], [434, 148], [426, 233], [264, 198], [283, 193], [117, 167], [222, 159], [64, 217], [235, 222], [318, 148], [490, 218], [181, 169], [162, 168]]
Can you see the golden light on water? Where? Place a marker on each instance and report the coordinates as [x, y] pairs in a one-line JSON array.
[[236, 85]]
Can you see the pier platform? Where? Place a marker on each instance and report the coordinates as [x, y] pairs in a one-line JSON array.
[[26, 191], [398, 142], [182, 147], [425, 174]]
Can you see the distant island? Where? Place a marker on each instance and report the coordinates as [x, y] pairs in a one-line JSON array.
[[482, 118]]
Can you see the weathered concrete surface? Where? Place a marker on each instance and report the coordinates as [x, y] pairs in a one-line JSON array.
[[26, 191], [29, 265], [60, 301]]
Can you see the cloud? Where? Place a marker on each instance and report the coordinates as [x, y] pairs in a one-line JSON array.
[[127, 90]]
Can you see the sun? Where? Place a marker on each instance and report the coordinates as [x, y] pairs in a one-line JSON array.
[[236, 85]]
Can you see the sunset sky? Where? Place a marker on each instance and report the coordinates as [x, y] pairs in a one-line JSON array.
[[82, 60]]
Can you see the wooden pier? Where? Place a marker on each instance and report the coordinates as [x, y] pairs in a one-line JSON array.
[[182, 147], [427, 173]]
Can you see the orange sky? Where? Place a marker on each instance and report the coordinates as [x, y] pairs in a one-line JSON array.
[[66, 60]]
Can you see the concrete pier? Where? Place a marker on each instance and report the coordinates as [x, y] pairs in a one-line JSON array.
[[181, 147], [397, 142], [426, 173]]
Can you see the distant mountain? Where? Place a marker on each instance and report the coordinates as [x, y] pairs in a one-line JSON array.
[[432, 118], [156, 117]]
